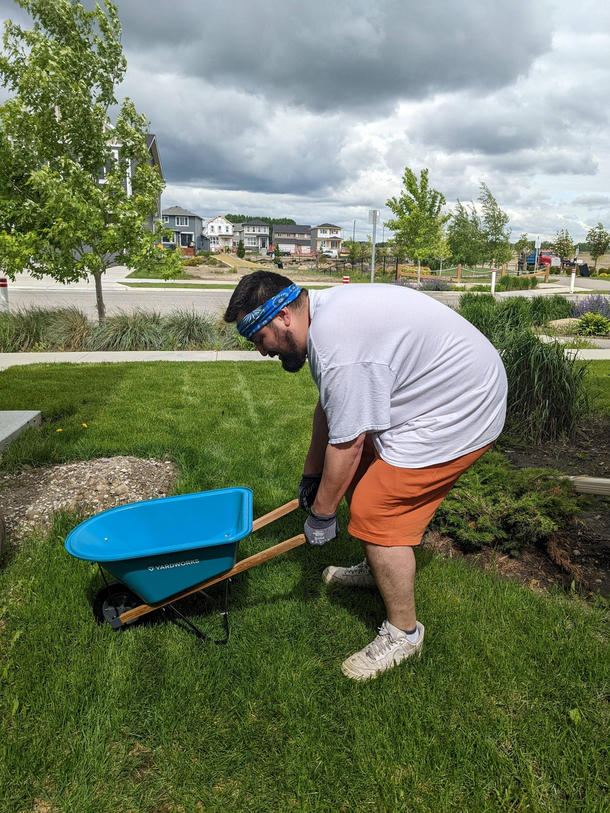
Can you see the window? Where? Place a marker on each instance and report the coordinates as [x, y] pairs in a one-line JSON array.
[[181, 220], [166, 218], [212, 229], [334, 244], [250, 241], [213, 241], [323, 231]]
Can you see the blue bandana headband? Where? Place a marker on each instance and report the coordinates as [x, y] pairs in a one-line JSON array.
[[261, 316]]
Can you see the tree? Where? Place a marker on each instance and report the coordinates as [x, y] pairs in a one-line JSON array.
[[241, 251], [354, 250], [75, 192], [277, 255], [271, 221], [465, 235], [524, 245], [563, 245], [599, 240], [419, 221], [442, 251], [497, 236]]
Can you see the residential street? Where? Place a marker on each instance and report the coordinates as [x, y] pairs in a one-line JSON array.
[[164, 301]]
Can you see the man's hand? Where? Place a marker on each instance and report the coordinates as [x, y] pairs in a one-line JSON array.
[[308, 488], [321, 529]]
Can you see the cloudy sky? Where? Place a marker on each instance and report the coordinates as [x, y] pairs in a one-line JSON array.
[[313, 110]]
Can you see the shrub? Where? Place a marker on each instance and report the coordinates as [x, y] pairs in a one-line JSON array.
[[135, 330], [29, 327], [435, 285], [188, 330], [67, 329], [545, 309], [192, 261], [593, 324], [229, 338], [546, 392], [480, 288], [508, 283], [595, 303], [8, 339], [494, 504]]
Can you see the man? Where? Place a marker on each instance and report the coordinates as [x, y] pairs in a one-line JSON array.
[[411, 395]]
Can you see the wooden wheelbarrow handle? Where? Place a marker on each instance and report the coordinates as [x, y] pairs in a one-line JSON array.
[[244, 564]]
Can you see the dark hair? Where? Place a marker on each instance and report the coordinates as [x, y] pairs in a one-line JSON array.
[[257, 288]]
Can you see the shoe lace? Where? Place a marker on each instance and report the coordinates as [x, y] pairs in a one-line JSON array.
[[382, 643], [362, 568]]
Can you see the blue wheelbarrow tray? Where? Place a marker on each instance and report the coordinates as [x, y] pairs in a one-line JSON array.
[[166, 549], [161, 547]]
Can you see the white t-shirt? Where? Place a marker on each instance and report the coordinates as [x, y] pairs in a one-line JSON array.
[[411, 372]]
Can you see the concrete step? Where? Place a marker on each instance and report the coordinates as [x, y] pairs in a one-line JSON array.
[[13, 424]]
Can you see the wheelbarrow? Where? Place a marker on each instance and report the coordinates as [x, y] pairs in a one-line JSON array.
[[160, 551]]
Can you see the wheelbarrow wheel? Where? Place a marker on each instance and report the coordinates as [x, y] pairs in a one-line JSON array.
[[113, 600]]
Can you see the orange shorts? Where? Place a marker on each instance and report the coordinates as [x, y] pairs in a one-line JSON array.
[[393, 506]]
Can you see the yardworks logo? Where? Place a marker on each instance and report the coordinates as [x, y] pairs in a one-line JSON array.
[[169, 565]]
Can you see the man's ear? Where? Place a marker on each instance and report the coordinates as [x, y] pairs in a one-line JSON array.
[[286, 316]]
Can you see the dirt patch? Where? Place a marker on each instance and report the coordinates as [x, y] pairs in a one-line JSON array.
[[29, 498], [588, 453]]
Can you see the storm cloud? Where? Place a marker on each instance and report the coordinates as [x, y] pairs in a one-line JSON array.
[[312, 111]]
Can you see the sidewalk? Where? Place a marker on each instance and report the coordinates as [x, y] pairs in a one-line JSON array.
[[20, 359]]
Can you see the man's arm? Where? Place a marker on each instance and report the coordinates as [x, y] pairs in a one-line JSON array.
[[340, 463], [314, 462]]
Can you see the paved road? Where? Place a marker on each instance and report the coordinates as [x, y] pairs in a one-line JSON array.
[[202, 301], [585, 282]]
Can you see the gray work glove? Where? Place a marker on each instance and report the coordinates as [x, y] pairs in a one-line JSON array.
[[320, 529], [308, 488]]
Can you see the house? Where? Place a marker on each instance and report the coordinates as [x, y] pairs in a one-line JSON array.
[[219, 233], [153, 160], [326, 238], [187, 228], [292, 239], [255, 235]]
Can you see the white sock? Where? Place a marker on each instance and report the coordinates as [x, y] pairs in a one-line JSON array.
[[412, 637]]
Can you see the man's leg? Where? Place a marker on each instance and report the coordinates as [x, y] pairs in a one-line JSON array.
[[394, 571]]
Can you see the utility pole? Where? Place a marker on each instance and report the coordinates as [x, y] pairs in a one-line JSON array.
[[373, 218], [354, 233]]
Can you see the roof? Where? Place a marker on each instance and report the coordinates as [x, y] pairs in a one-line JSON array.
[[277, 228], [178, 210], [153, 149], [327, 226]]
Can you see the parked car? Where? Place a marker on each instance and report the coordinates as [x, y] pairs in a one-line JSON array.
[[330, 252]]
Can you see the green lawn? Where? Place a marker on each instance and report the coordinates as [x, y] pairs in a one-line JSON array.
[[600, 384], [219, 287], [506, 711]]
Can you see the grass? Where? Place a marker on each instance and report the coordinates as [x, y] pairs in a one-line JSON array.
[[599, 384], [506, 711], [154, 272], [156, 285]]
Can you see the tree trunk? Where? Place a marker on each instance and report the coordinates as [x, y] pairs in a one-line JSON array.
[[418, 273], [99, 299]]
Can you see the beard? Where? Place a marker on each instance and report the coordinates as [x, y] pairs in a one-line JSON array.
[[292, 359]]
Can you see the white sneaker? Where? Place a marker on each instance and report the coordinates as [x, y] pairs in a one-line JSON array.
[[356, 576], [388, 649]]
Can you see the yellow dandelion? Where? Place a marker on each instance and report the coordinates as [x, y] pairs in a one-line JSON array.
[[85, 425], [59, 430]]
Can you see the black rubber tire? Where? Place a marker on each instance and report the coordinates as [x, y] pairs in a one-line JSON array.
[[104, 608]]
